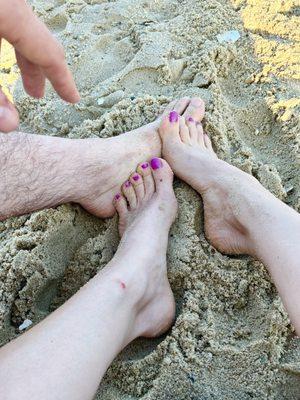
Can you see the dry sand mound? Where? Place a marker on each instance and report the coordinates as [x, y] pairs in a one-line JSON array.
[[232, 338]]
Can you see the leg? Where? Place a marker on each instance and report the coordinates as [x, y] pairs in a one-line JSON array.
[[241, 216], [40, 171], [67, 354]]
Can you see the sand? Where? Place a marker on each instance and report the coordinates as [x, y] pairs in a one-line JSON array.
[[232, 338]]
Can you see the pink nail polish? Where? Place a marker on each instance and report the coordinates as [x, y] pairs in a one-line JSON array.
[[117, 196], [127, 184], [136, 177], [191, 119], [156, 163], [145, 166], [173, 116]]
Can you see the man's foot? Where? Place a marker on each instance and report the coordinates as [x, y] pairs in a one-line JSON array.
[[231, 197], [108, 162], [147, 208]]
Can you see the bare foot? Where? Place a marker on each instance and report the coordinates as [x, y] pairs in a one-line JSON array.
[[108, 162], [147, 208], [231, 197]]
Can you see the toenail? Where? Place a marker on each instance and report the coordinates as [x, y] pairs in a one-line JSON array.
[[145, 166], [136, 177], [173, 117], [156, 163], [117, 196], [127, 184], [191, 119]]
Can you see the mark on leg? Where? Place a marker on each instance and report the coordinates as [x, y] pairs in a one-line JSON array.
[[123, 286]]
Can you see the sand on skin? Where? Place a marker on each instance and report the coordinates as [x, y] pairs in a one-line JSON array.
[[232, 338]]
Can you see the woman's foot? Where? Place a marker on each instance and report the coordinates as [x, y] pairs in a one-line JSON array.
[[147, 208], [231, 197], [106, 163]]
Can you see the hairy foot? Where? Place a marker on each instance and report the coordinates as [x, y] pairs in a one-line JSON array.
[[230, 196], [147, 208], [108, 162]]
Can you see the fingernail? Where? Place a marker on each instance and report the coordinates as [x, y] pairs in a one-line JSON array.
[[156, 163], [117, 196], [191, 119], [145, 166], [136, 177], [127, 184], [173, 116]]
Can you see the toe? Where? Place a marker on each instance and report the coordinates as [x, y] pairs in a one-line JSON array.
[[120, 205], [138, 184], [169, 129], [184, 131], [200, 135], [195, 109], [181, 105], [145, 171], [193, 132], [177, 105], [162, 174], [129, 193]]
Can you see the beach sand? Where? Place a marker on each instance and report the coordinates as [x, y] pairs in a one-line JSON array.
[[232, 338]]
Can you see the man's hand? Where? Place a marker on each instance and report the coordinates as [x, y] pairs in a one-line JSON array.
[[39, 56]]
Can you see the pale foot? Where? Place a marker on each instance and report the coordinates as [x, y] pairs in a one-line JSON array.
[[231, 197], [108, 162], [147, 208]]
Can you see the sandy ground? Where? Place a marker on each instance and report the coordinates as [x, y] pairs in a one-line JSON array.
[[232, 339]]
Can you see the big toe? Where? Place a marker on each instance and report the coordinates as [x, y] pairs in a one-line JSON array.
[[163, 175], [169, 128]]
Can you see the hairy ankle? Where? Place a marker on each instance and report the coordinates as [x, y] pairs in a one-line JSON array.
[[43, 164]]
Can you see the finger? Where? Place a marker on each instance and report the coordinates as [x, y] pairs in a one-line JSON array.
[[35, 43], [32, 77], [9, 118]]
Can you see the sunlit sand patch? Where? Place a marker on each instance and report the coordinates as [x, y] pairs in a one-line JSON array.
[[275, 26], [9, 72]]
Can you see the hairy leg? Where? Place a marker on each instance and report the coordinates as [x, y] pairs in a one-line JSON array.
[[40, 171], [66, 355], [241, 216]]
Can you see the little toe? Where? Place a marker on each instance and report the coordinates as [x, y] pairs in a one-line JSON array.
[[138, 184], [120, 204], [200, 135], [193, 132], [162, 174], [145, 171], [195, 110], [129, 193], [184, 131]]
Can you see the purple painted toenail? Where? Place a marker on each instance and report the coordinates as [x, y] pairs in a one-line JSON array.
[[191, 119], [117, 196], [173, 116], [136, 177], [127, 184], [156, 163], [145, 166]]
